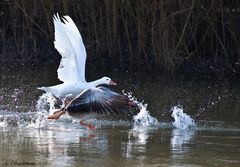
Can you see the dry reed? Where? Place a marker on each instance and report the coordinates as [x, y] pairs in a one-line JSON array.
[[134, 35]]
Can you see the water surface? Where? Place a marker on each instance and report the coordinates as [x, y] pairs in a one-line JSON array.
[[29, 139]]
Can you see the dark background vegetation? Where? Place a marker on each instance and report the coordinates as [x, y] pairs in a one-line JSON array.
[[139, 36]]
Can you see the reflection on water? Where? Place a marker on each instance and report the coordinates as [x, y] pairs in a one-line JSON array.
[[64, 143], [29, 139], [179, 139]]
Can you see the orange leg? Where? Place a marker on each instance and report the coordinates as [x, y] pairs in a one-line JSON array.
[[90, 126], [56, 114]]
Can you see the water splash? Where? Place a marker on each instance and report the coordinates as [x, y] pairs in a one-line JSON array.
[[47, 103], [2, 121], [16, 119], [143, 118], [181, 119], [37, 119]]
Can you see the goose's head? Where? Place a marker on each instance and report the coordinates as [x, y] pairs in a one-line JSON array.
[[107, 81]]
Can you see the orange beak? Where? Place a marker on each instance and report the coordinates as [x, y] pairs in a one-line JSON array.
[[112, 83]]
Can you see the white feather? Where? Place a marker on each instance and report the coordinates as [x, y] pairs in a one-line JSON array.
[[69, 43], [78, 46], [68, 70]]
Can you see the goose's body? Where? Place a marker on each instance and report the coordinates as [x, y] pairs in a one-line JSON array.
[[74, 89], [62, 90], [89, 98]]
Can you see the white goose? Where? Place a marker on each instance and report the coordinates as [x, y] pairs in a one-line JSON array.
[[71, 71], [90, 100]]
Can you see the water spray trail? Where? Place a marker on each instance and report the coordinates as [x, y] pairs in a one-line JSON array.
[[36, 119], [143, 118], [22, 120], [46, 103], [181, 119]]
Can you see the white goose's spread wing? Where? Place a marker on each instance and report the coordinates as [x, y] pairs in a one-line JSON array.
[[68, 42], [99, 100], [78, 45]]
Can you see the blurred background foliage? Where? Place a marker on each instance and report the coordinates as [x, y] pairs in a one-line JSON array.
[[139, 36]]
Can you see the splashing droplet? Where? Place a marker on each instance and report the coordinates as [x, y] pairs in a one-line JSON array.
[[143, 118], [38, 121], [181, 119]]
